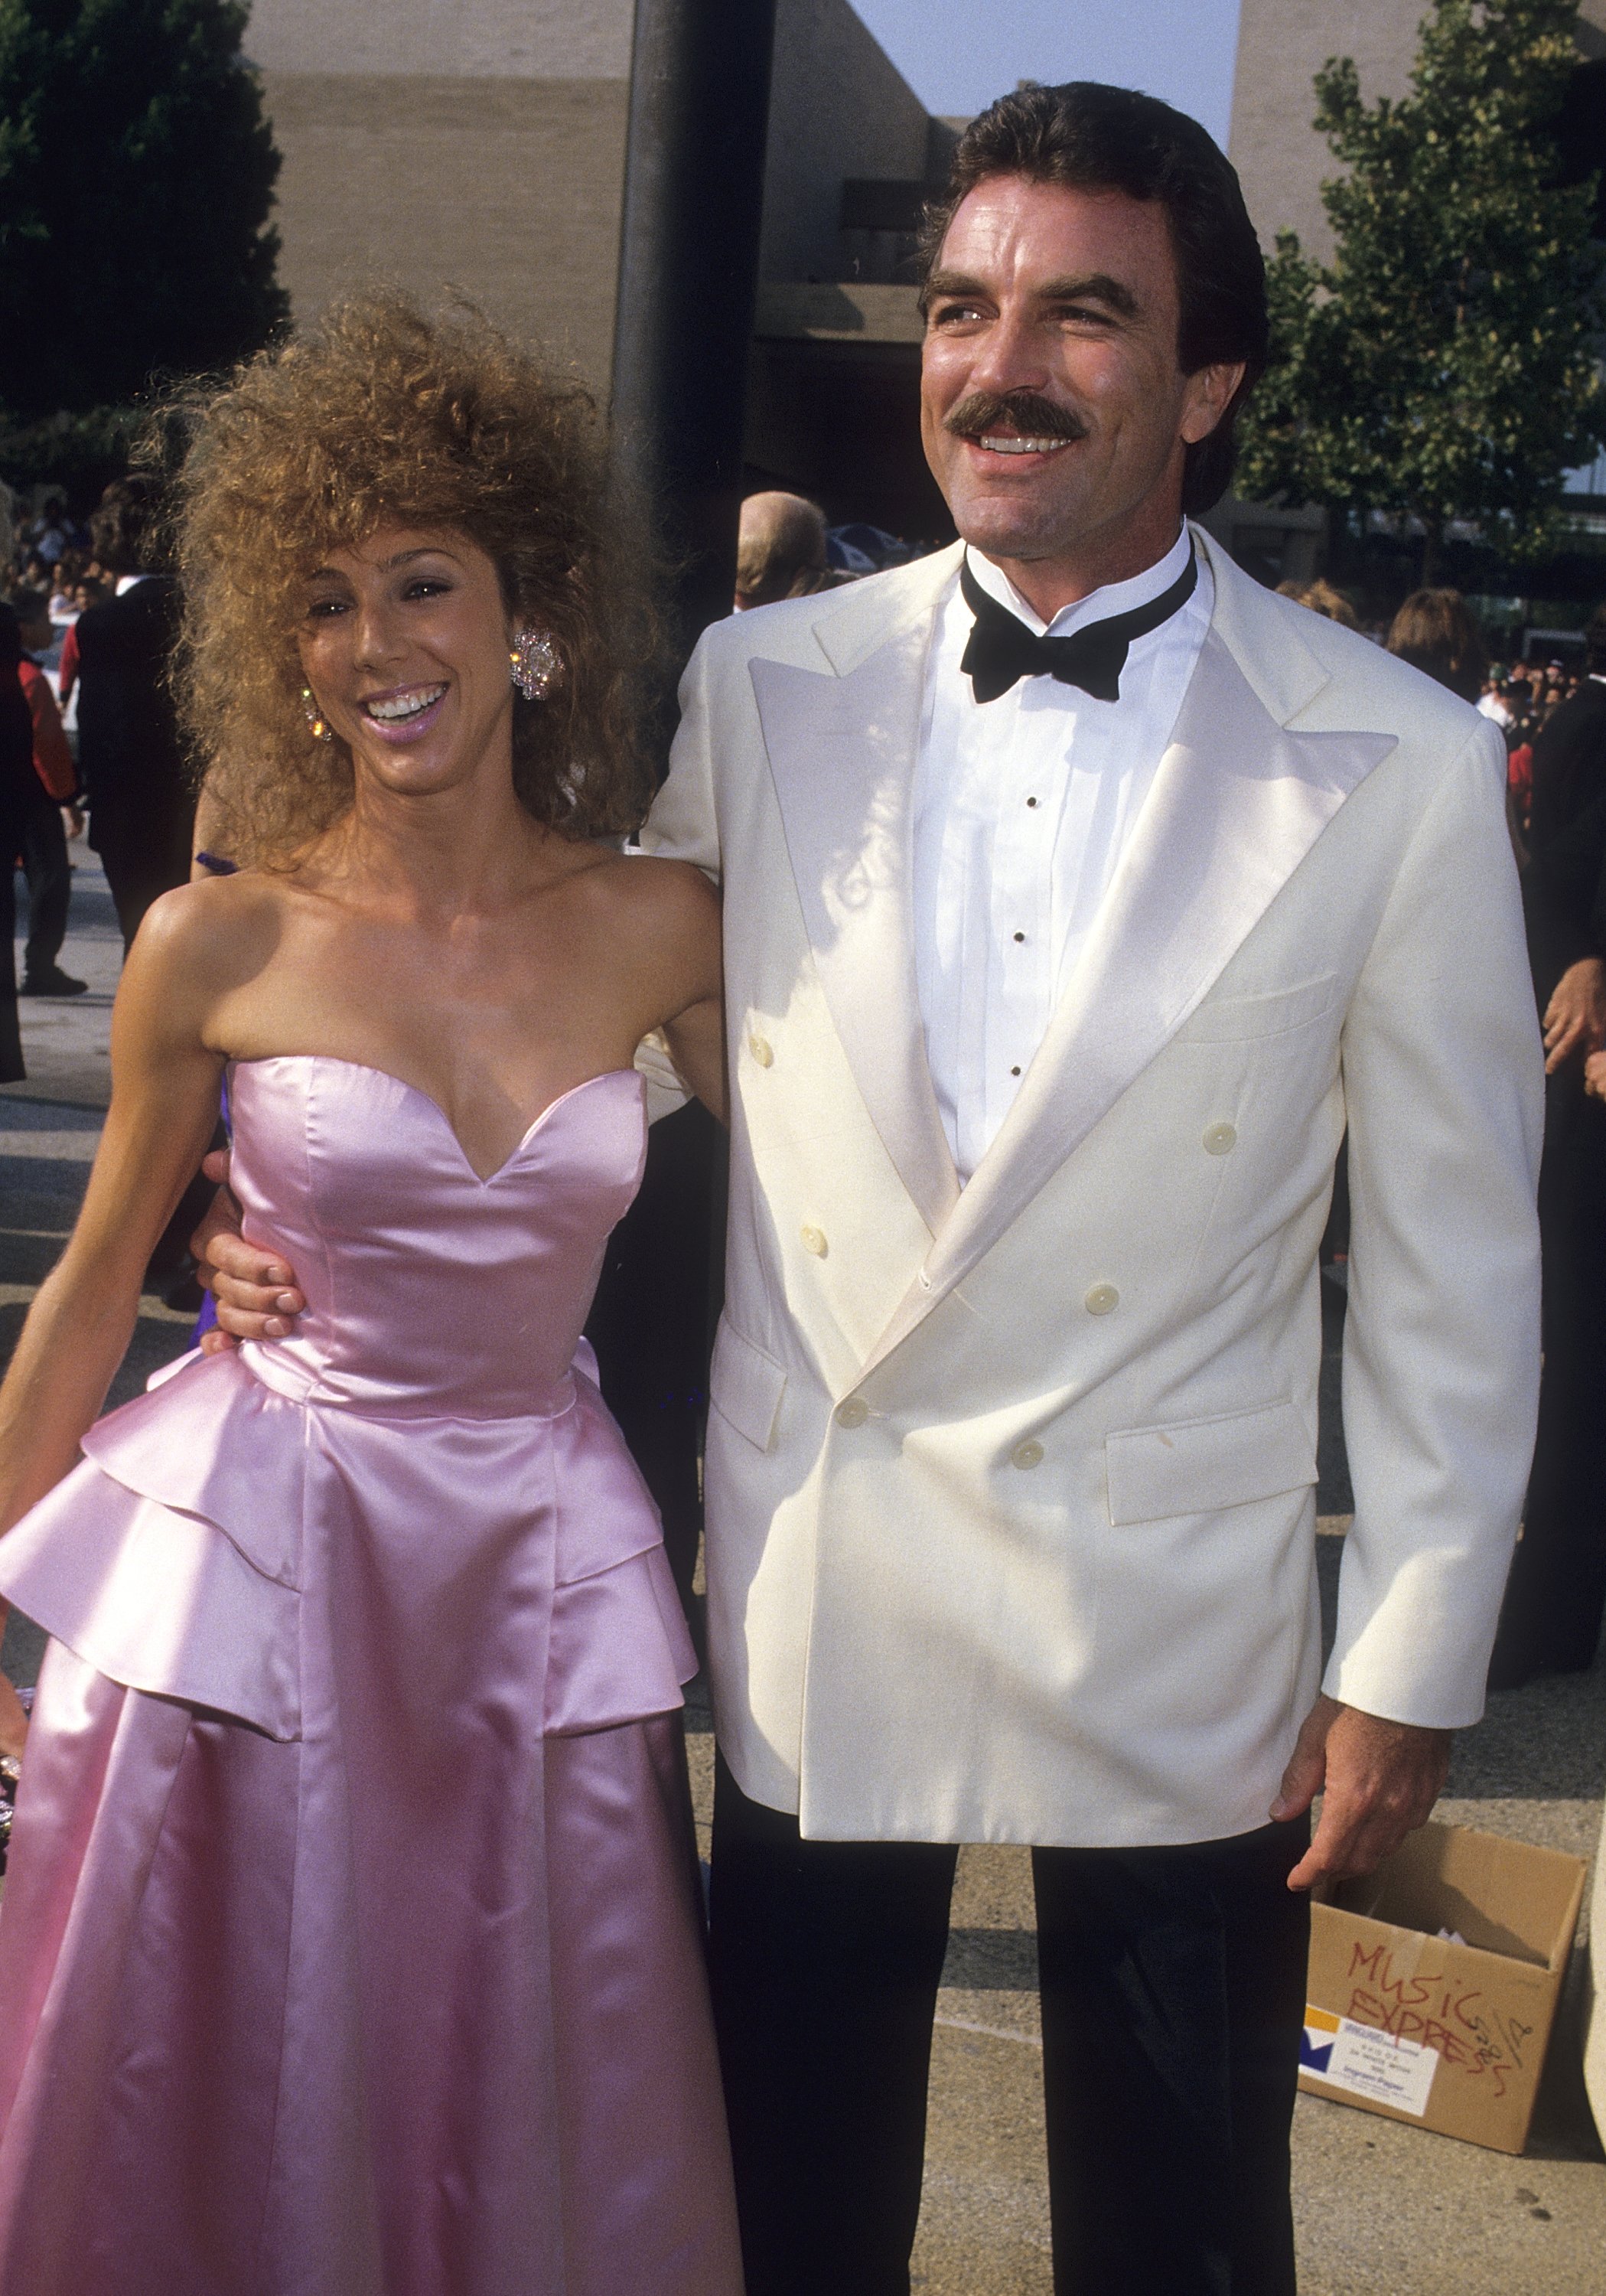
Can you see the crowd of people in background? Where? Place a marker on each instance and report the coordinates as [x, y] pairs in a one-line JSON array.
[[1436, 631], [53, 551], [1522, 698]]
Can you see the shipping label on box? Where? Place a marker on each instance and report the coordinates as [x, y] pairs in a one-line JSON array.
[[1366, 2061]]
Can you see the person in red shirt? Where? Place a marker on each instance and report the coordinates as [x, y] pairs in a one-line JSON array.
[[44, 854], [1520, 780], [67, 673], [85, 594]]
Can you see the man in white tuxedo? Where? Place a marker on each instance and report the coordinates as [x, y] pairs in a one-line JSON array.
[[1079, 893]]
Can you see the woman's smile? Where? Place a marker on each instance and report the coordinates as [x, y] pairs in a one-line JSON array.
[[405, 712]]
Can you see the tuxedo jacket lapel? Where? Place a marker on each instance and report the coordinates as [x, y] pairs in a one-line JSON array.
[[842, 752], [1237, 803]]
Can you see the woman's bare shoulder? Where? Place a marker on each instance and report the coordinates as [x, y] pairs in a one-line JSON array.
[[217, 930], [644, 877], [659, 894]]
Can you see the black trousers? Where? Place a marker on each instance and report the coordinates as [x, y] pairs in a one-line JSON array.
[[49, 875], [1556, 1593], [1172, 1993], [651, 1324], [15, 802]]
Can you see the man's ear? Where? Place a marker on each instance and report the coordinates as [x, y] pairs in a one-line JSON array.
[[1211, 391]]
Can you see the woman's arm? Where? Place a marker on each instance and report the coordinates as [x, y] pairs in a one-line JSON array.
[[696, 1042], [67, 671], [691, 929], [164, 1105], [53, 760]]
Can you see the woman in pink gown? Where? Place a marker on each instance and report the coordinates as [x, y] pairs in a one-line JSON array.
[[351, 1942]]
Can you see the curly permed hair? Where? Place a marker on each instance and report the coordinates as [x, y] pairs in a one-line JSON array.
[[382, 415]]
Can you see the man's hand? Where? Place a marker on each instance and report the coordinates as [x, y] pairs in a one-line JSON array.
[[1378, 1781], [1575, 1019], [1594, 1075], [256, 1293]]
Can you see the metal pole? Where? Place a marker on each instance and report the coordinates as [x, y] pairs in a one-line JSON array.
[[688, 265]]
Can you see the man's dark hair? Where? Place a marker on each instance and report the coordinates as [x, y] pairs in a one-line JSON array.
[[1089, 137], [126, 527], [30, 606]]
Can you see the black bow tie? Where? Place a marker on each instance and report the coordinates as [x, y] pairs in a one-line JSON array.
[[1001, 648]]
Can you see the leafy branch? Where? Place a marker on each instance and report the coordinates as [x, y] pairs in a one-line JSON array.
[[1444, 366]]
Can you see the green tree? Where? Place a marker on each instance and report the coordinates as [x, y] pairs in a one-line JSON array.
[[1444, 366], [136, 175]]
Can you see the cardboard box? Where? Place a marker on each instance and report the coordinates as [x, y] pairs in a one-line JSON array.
[[1408, 2024]]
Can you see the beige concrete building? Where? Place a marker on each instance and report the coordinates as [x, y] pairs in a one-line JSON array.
[[480, 145]]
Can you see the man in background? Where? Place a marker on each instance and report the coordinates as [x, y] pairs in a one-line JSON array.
[[780, 550], [43, 855], [1556, 1594], [141, 813], [17, 785]]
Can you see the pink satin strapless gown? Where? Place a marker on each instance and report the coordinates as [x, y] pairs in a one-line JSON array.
[[351, 1945]]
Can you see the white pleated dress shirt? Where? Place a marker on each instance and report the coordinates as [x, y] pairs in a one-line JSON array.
[[1023, 807]]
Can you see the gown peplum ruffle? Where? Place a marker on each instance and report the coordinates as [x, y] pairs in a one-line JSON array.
[[351, 1944]]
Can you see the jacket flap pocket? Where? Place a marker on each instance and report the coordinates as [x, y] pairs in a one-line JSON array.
[[1237, 1020], [1201, 1465], [745, 1385]]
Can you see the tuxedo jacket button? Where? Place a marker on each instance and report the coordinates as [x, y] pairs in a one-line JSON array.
[[1026, 1454], [1101, 1299], [814, 1240], [761, 1049], [1220, 1140], [853, 1412]]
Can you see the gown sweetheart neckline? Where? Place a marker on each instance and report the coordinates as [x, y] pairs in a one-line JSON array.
[[417, 1092]]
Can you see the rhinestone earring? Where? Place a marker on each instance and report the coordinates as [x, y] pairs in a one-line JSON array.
[[315, 724], [536, 663]]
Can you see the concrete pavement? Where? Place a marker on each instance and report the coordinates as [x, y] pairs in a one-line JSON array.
[[1382, 2209]]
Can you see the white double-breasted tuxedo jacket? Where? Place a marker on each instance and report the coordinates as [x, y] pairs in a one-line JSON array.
[[1010, 1489]]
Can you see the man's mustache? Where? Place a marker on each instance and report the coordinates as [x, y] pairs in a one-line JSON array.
[[1027, 412]]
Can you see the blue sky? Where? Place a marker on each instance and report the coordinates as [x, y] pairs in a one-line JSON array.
[[958, 54]]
